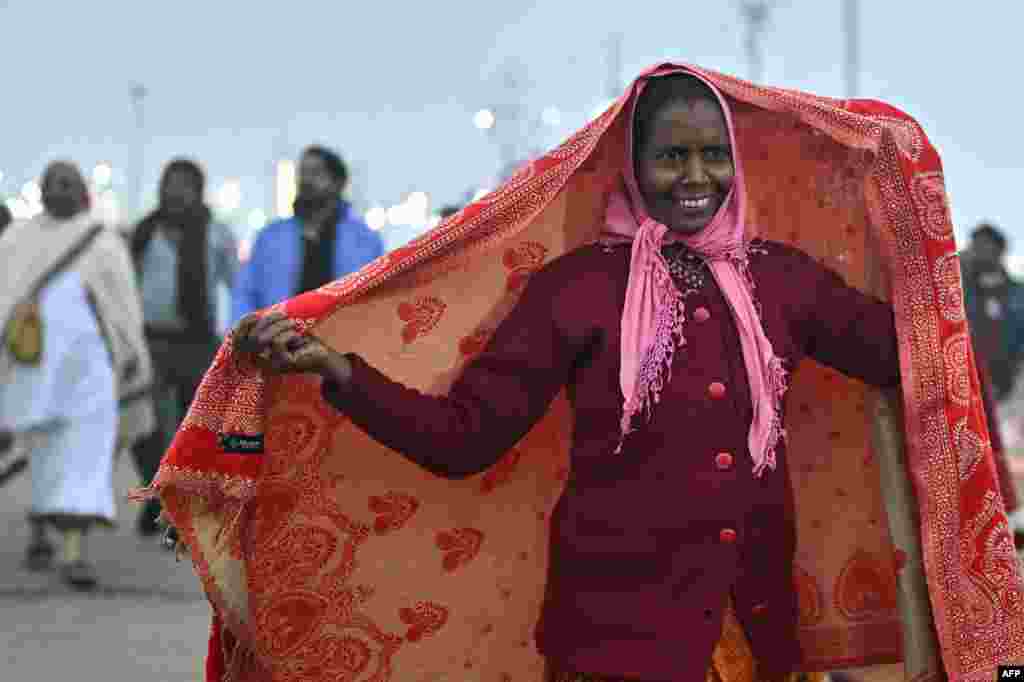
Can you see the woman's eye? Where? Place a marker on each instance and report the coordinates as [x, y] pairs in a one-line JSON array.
[[716, 154]]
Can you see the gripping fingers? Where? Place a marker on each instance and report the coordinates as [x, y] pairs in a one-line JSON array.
[[265, 321], [250, 327], [285, 348], [242, 333], [266, 335]]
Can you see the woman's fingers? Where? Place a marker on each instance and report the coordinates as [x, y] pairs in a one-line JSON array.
[[292, 351], [249, 328], [283, 346], [243, 331], [265, 334], [265, 321], [274, 339], [284, 338]]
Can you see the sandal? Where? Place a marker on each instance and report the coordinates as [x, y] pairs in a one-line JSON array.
[[79, 575], [39, 556]]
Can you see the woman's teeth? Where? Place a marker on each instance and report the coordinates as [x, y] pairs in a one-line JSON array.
[[703, 202]]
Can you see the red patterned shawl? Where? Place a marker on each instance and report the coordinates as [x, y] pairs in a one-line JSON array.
[[329, 557]]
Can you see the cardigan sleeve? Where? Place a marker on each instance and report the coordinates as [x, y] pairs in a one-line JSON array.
[[842, 327], [499, 396]]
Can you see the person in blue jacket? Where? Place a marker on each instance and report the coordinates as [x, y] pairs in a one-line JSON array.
[[324, 241]]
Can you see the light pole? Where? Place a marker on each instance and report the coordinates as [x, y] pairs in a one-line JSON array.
[[850, 31], [138, 94], [755, 14], [510, 110], [613, 47]]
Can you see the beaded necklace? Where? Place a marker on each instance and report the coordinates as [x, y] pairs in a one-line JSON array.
[[688, 270]]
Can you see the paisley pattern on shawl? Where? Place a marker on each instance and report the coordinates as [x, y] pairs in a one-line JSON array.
[[329, 557]]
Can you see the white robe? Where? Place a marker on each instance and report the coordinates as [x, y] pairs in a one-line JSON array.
[[64, 410], [31, 248]]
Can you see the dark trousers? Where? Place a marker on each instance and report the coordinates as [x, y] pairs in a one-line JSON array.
[[179, 364]]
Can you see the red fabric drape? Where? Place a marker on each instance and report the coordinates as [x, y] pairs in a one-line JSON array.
[[329, 557]]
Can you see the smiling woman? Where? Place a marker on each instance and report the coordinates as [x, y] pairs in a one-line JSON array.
[[602, 348], [683, 155]]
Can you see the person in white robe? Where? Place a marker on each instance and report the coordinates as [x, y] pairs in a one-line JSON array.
[[65, 411], [41, 370]]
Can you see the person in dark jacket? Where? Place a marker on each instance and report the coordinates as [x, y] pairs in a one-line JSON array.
[[185, 263], [994, 302], [995, 307]]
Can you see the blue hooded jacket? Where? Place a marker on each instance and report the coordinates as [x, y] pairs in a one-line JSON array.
[[274, 267]]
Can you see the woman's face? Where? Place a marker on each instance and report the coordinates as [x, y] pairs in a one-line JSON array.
[[684, 166]]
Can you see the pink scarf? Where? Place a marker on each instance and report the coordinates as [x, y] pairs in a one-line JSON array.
[[654, 312]]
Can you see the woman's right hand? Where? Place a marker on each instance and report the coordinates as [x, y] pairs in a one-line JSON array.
[[273, 339]]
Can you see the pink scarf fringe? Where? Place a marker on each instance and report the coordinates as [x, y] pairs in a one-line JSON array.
[[654, 313]]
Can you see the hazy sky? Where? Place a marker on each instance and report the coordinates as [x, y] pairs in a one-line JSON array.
[[394, 85]]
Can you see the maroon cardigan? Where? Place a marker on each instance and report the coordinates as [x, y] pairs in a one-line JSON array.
[[645, 545]]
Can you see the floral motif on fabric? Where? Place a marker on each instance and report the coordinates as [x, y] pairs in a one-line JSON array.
[[949, 285], [956, 355], [866, 587], [929, 193], [271, 510], [346, 603], [420, 316], [393, 511], [460, 547], [989, 594], [424, 619], [294, 436], [522, 261], [998, 566], [970, 449], [354, 651], [292, 618], [307, 549]]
